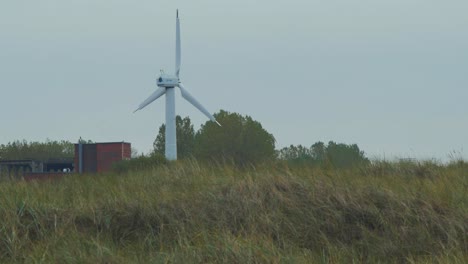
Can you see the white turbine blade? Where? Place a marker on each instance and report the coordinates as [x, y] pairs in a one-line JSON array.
[[151, 98], [178, 55], [187, 96]]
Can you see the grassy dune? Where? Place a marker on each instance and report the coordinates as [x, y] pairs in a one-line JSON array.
[[187, 212]]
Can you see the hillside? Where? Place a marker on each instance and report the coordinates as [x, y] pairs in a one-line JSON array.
[[187, 212]]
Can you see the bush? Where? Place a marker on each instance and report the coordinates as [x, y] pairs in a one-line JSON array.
[[139, 163], [240, 139], [336, 155]]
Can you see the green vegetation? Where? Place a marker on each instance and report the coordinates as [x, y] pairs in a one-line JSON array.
[[276, 212], [185, 138], [139, 163], [36, 150], [241, 140], [337, 155], [239, 202]]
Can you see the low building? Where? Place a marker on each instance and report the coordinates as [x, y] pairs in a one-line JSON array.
[[89, 158], [17, 168], [100, 157]]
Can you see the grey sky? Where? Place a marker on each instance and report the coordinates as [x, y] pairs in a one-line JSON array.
[[391, 76]]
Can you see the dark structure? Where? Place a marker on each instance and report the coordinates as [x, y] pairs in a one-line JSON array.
[[100, 157], [17, 168], [89, 158]]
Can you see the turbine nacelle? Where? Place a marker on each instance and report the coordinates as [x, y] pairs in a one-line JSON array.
[[167, 81]]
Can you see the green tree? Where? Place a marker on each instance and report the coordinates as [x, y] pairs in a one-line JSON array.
[[296, 154], [36, 150], [240, 139], [185, 138], [342, 155], [337, 155], [318, 151]]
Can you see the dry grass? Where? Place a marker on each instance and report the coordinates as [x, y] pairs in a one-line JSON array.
[[187, 212]]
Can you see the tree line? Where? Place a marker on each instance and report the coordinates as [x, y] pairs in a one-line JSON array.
[[338, 155], [50, 149], [241, 140]]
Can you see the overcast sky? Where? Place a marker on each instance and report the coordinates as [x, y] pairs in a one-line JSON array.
[[390, 76]]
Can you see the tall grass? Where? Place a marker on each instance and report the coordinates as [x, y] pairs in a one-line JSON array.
[[187, 212]]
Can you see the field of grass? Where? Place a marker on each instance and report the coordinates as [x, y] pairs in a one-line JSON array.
[[187, 212]]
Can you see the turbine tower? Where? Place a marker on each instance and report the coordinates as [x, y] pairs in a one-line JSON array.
[[167, 84]]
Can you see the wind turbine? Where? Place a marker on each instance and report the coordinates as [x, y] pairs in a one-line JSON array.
[[167, 84]]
